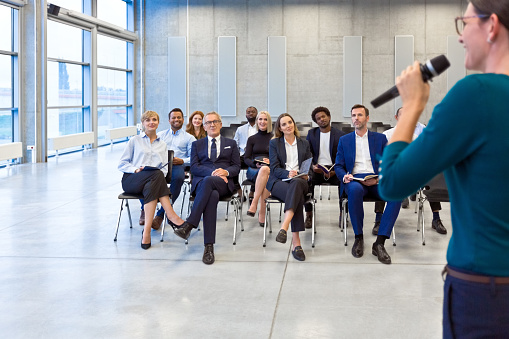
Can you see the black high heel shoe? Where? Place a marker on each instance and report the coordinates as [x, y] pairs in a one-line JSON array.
[[145, 246], [175, 226], [251, 214]]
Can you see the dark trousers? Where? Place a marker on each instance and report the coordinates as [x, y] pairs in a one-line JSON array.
[[356, 193], [318, 179], [177, 180], [475, 310], [293, 193], [208, 192]]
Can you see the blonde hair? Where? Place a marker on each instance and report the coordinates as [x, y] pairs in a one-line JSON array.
[[147, 115], [277, 126], [269, 120]]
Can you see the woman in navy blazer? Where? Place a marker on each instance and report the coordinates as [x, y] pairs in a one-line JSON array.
[[286, 152]]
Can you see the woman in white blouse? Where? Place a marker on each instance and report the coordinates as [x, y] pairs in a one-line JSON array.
[[286, 152], [144, 163]]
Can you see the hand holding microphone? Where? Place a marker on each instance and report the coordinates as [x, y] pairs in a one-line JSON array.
[[413, 91], [427, 71]]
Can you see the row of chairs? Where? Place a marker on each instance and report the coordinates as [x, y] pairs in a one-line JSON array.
[[435, 190]]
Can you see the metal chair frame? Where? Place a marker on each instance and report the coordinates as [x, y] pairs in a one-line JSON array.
[[125, 197], [268, 221]]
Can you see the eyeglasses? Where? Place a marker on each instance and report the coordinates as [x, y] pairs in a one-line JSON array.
[[460, 21], [215, 122]]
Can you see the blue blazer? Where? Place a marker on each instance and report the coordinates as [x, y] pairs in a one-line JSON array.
[[314, 142], [345, 156], [277, 156], [202, 166]]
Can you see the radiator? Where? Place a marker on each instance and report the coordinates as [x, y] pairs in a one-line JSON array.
[[121, 132], [11, 150], [71, 140]]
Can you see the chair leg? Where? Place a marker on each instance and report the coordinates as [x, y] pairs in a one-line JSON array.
[[313, 229], [119, 215], [420, 219], [227, 210], [241, 215], [344, 213], [328, 190], [320, 192], [164, 226], [129, 212], [267, 221], [280, 211], [236, 215], [393, 237]]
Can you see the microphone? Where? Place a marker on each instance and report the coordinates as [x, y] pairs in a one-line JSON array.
[[430, 69]]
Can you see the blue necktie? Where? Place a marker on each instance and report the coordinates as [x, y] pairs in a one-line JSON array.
[[213, 151]]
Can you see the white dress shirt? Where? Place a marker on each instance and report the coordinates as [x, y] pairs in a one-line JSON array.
[[388, 133], [362, 157], [242, 134], [218, 144], [292, 156], [140, 152], [180, 142]]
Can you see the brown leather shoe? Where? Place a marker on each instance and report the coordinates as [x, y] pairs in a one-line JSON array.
[[142, 217], [309, 221], [156, 223]]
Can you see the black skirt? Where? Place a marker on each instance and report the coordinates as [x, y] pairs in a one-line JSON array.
[[151, 184]]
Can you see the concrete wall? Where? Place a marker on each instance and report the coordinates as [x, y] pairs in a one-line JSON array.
[[314, 31]]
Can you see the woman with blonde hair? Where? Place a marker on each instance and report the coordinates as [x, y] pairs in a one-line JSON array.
[[195, 125], [144, 163], [256, 158]]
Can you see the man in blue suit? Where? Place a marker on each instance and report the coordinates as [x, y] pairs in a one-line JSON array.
[[356, 158], [323, 141], [215, 161]]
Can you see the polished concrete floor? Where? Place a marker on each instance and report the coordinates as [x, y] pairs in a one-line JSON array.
[[63, 276]]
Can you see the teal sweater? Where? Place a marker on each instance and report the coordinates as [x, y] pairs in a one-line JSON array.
[[468, 138]]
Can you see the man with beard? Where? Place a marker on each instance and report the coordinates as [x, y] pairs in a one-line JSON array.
[[356, 158], [180, 142], [241, 136], [323, 141]]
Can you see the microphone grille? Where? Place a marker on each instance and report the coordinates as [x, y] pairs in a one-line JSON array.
[[438, 64]]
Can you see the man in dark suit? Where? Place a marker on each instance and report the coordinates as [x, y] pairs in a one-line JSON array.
[[323, 141], [215, 161], [356, 157]]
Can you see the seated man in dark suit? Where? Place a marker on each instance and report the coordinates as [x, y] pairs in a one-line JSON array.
[[356, 157], [323, 141], [215, 161]]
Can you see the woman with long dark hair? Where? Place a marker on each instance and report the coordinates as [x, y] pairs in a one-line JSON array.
[[286, 152]]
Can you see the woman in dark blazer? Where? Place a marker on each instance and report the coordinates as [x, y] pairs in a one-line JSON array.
[[286, 152]]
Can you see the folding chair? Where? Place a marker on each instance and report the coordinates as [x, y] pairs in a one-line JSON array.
[[435, 191], [268, 221], [343, 216], [126, 197], [234, 199]]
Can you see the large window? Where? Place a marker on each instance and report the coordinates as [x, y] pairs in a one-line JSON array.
[[66, 66], [9, 102], [113, 11], [113, 79]]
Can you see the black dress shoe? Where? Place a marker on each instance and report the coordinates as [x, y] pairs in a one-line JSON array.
[[298, 253], [379, 251], [309, 221], [358, 248], [281, 236], [438, 226], [145, 246], [208, 254], [405, 203], [251, 214], [376, 228], [184, 230]]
